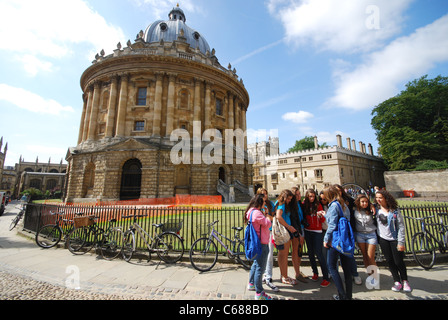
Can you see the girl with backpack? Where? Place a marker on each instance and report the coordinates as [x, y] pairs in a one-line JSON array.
[[315, 216], [344, 293], [261, 225], [391, 232]]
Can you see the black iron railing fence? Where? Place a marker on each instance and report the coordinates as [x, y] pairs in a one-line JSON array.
[[194, 220]]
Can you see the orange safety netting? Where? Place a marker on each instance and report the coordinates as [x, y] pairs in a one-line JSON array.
[[177, 201]]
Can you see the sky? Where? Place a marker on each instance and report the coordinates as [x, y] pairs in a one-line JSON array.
[[311, 67]]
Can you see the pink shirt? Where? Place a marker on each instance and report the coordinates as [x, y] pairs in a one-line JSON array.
[[259, 220]]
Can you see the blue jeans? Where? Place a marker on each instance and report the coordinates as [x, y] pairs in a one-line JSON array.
[[346, 263], [314, 242], [257, 269]]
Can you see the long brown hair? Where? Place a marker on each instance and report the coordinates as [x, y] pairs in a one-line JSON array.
[[255, 202], [390, 200], [331, 193], [310, 207], [358, 203], [267, 202]]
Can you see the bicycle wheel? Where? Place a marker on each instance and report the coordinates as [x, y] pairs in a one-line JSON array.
[[77, 239], [14, 223], [424, 250], [48, 236], [241, 255], [112, 244], [203, 254], [128, 245], [169, 247]]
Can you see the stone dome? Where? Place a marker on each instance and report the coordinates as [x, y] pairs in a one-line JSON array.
[[170, 30]]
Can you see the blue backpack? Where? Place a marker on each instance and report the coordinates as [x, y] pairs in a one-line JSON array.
[[252, 243], [343, 240]]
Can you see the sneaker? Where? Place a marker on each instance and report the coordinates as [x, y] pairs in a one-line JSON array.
[[315, 277], [406, 286], [357, 280], [262, 296], [251, 287], [324, 283], [302, 278], [397, 287], [271, 285]]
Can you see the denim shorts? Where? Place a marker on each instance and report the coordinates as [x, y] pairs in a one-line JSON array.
[[370, 238]]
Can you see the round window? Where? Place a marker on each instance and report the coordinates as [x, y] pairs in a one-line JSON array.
[[163, 26], [196, 35]]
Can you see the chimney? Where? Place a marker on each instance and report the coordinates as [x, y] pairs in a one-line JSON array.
[[316, 145], [360, 146], [349, 146], [370, 149], [339, 140], [354, 145], [364, 150]]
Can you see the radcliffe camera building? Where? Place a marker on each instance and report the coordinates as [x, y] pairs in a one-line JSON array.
[[168, 78]]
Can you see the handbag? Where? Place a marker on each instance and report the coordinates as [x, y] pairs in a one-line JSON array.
[[279, 233]]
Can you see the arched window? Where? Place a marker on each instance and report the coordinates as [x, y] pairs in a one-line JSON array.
[[131, 180]]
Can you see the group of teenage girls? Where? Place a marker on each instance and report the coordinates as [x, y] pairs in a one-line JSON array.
[[313, 221]]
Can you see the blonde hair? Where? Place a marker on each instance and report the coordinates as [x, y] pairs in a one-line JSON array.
[[331, 193]]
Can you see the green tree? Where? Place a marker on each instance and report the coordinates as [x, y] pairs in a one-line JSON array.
[[305, 144], [413, 126]]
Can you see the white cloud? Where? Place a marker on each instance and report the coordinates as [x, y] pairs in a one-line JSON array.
[[33, 65], [31, 101], [49, 29], [340, 26], [298, 117], [381, 74]]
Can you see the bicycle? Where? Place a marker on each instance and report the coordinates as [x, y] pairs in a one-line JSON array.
[[425, 243], [17, 218], [51, 234], [87, 234], [168, 245], [204, 251]]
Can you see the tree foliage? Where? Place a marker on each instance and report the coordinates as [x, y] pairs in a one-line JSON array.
[[413, 126], [306, 143]]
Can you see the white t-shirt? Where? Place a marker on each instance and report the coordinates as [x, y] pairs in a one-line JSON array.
[[383, 229]]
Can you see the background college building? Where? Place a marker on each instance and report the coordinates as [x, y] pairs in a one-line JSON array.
[[316, 168]]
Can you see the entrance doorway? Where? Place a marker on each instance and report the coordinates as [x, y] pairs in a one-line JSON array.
[[222, 174], [131, 180]]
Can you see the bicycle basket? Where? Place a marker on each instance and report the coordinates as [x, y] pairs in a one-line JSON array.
[[83, 221], [173, 226]]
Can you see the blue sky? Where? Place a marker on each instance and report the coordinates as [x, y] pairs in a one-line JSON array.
[[311, 67]]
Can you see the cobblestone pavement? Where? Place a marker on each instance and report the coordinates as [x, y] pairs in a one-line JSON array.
[[28, 272]]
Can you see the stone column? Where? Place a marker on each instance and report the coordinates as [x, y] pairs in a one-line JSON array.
[[94, 113], [111, 108], [237, 114], [157, 119], [244, 125], [170, 105], [197, 100], [231, 119], [83, 115], [122, 106], [208, 107], [87, 114]]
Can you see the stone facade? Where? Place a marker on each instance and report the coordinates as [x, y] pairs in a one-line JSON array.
[[321, 167], [138, 103], [429, 183]]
